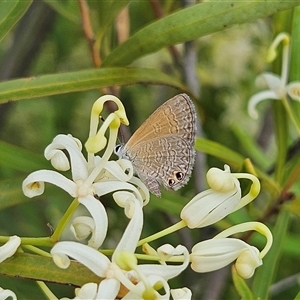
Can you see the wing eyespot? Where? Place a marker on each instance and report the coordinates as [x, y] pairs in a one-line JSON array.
[[179, 175]]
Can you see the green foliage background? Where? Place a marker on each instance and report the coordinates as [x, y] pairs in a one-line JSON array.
[[49, 82]]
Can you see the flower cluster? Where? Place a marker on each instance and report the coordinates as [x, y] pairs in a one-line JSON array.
[[121, 276]]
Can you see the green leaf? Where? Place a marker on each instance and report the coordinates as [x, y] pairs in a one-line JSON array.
[[266, 273], [10, 14], [191, 23], [240, 285], [20, 159], [297, 296], [251, 148], [30, 266], [11, 193], [54, 84], [170, 202], [222, 152], [62, 9], [109, 10]]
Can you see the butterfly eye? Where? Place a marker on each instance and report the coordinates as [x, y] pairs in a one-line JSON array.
[[117, 148], [179, 175]]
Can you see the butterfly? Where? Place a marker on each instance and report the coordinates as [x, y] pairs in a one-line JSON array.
[[162, 148]]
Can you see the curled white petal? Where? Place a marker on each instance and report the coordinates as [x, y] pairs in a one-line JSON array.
[[61, 260], [181, 294], [257, 98], [5, 293], [108, 289], [127, 201], [9, 248], [68, 143], [141, 188], [133, 230], [154, 280], [82, 227], [105, 187], [221, 181], [33, 185], [98, 213], [121, 169], [167, 271], [89, 257], [293, 89], [58, 159], [247, 262], [77, 142], [272, 80], [87, 291], [166, 251]]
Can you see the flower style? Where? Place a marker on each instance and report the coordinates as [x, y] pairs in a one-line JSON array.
[[219, 251], [279, 87], [223, 198], [97, 176]]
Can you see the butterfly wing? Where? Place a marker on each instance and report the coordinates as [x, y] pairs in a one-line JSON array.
[[169, 161], [161, 150], [175, 116]]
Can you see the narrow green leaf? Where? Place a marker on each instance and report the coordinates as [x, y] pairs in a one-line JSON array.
[[295, 57], [20, 159], [61, 8], [29, 266], [170, 202], [54, 84], [220, 151], [109, 10], [240, 285], [191, 23], [11, 193], [297, 296], [234, 159], [10, 14], [251, 148], [266, 273]]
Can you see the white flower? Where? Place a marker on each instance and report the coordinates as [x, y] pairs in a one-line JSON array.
[[223, 198], [4, 294], [9, 248], [279, 87], [220, 251], [214, 254], [85, 181]]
